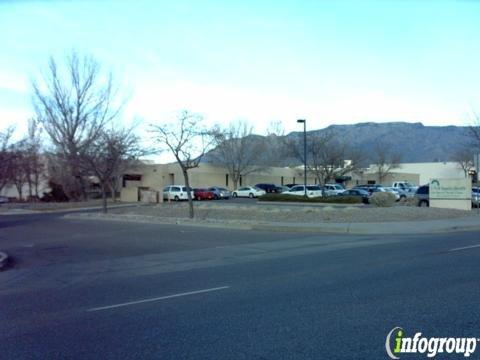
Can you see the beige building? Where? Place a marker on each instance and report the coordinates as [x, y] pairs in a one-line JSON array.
[[152, 178], [157, 176], [416, 173]]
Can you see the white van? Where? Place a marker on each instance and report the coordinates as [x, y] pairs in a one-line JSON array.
[[176, 193]]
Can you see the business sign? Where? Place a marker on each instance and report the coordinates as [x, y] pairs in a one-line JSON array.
[[451, 189]]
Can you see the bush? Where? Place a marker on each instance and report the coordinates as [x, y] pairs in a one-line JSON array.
[[56, 193], [324, 199], [410, 202], [382, 199]]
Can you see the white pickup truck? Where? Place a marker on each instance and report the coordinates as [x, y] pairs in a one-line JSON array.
[[406, 188], [403, 185]]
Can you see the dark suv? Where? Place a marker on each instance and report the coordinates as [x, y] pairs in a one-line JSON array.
[[269, 188], [422, 196]]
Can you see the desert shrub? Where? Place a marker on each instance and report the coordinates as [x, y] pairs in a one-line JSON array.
[[382, 199], [409, 202], [56, 193], [324, 199]]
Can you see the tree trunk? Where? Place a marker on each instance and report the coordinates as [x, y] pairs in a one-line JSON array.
[[113, 192], [104, 199], [235, 180], [83, 189], [30, 187], [191, 213], [19, 187], [36, 188]]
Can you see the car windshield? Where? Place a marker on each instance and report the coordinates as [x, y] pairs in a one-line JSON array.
[[313, 188]]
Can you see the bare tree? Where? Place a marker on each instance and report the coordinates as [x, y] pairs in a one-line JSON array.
[[475, 130], [34, 163], [17, 175], [105, 157], [464, 159], [331, 158], [74, 102], [188, 141], [6, 157], [328, 157], [238, 150], [385, 160], [275, 128]]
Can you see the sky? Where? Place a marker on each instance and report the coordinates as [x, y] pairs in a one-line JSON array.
[[330, 62]]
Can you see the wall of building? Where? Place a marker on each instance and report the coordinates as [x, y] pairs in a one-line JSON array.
[[427, 171], [160, 175], [157, 176], [372, 178], [416, 173], [11, 191]]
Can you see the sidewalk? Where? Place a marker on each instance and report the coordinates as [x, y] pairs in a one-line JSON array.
[[467, 223], [8, 212]]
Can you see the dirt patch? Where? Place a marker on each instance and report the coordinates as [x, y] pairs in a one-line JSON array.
[[295, 214]]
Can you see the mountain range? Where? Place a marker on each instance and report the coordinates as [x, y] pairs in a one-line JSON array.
[[414, 141]]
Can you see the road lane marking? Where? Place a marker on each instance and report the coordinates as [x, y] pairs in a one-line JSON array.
[[465, 248], [158, 298]]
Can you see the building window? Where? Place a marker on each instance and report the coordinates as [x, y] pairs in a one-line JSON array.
[[130, 177], [226, 179]]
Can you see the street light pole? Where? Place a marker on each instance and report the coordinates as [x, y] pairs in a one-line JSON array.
[[300, 121]]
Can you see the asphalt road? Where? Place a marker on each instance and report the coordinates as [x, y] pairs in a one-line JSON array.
[[104, 290]]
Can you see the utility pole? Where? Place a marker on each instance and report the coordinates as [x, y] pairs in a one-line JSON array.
[[300, 121]]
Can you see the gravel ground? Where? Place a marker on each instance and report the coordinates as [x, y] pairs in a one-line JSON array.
[[295, 214]]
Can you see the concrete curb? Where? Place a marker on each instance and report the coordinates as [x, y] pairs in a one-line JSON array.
[[3, 260], [146, 219], [349, 229], [30, 212], [386, 228], [314, 204]]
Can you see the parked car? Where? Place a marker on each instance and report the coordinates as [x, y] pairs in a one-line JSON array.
[[269, 188], [312, 191], [396, 192], [332, 189], [3, 200], [248, 191], [371, 188], [422, 196], [220, 193], [283, 188], [363, 194], [203, 194], [475, 196], [176, 193]]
